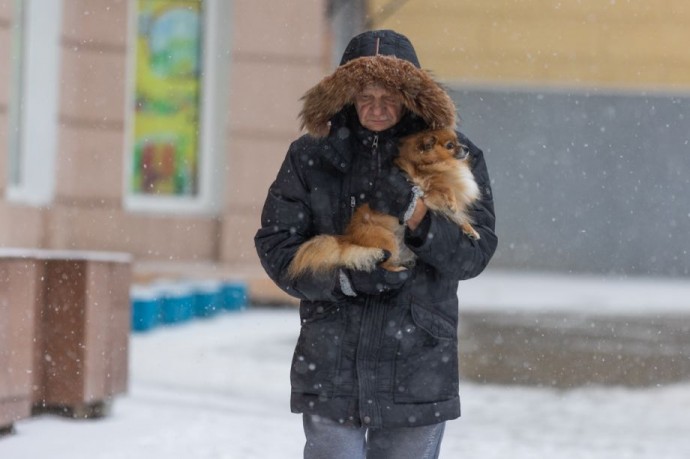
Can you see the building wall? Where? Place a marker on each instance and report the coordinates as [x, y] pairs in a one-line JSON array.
[[21, 226], [5, 72], [278, 52], [586, 182], [630, 44], [270, 53], [582, 111]]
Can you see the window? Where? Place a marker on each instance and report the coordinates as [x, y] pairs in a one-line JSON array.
[[171, 120], [34, 101]]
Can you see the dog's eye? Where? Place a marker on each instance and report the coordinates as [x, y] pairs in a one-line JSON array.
[[450, 146]]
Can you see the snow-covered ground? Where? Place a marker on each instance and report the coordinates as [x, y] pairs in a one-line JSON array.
[[219, 388], [510, 291]]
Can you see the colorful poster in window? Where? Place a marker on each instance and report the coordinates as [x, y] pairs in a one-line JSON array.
[[168, 98]]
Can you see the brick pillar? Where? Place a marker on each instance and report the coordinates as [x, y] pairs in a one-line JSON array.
[[84, 321], [20, 280]]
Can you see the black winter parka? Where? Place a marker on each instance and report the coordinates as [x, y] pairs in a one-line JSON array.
[[387, 360]]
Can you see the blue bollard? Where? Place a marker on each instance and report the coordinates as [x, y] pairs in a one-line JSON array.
[[234, 295], [178, 303], [145, 307], [208, 299]]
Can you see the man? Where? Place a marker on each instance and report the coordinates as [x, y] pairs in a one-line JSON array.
[[375, 369]]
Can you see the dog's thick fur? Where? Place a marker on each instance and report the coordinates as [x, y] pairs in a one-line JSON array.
[[438, 163], [433, 160]]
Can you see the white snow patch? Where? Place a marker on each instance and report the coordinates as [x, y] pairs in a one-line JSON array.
[[219, 388]]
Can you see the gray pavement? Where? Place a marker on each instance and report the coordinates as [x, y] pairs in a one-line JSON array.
[[568, 331]]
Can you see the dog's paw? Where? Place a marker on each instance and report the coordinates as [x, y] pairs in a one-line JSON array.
[[391, 264], [371, 259], [384, 255], [470, 232]]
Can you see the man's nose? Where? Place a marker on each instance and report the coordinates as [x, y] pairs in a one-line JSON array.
[[378, 106]]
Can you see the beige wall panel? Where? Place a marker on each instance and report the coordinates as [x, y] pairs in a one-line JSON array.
[[252, 166], [517, 48], [90, 163], [526, 39], [288, 29], [5, 64], [237, 244], [570, 71], [145, 236], [629, 12], [6, 10], [278, 54], [631, 74], [92, 86], [4, 147], [89, 21], [18, 290], [265, 96], [634, 74], [26, 228], [590, 10], [99, 321], [663, 42], [5, 84], [628, 44]]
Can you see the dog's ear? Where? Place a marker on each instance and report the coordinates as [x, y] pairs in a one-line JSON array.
[[426, 142]]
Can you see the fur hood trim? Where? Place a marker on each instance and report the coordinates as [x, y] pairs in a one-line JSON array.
[[420, 93]]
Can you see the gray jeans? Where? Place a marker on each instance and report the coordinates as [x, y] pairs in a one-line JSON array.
[[328, 439]]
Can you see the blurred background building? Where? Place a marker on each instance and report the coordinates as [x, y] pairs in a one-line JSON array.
[[582, 110], [155, 127]]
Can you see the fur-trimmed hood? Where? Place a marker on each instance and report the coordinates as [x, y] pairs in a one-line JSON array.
[[420, 94]]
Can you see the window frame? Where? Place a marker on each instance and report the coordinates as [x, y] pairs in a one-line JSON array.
[[208, 200], [34, 110]]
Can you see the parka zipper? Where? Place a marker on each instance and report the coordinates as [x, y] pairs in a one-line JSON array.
[[377, 155], [375, 152]]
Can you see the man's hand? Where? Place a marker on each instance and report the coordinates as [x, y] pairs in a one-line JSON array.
[[418, 215], [374, 282]]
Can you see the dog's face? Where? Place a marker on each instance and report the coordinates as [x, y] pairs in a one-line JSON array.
[[433, 146]]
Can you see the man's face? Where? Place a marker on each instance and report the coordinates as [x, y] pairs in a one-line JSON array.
[[377, 108]]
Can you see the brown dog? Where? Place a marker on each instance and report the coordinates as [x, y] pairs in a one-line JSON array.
[[433, 160]]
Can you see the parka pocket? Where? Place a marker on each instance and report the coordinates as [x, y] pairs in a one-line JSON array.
[[426, 366], [317, 354], [433, 323]]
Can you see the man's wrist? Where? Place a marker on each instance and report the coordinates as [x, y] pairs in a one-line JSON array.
[[418, 214], [345, 284], [412, 209]]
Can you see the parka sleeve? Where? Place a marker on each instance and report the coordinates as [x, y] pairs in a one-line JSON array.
[[445, 247], [286, 222]]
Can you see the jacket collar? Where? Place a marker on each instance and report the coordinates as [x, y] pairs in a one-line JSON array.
[[347, 136]]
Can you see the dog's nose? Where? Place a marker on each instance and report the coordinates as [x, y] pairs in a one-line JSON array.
[[461, 152]]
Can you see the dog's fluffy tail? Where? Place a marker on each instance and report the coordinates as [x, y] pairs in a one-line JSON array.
[[324, 253]]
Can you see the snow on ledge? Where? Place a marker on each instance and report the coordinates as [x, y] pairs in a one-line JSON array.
[[77, 255]]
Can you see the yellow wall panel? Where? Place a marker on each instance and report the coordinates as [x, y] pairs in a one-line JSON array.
[[628, 43]]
